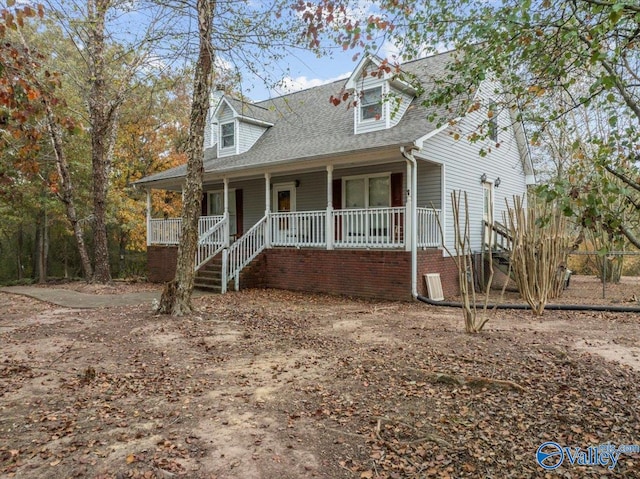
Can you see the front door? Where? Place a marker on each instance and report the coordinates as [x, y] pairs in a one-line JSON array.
[[284, 201]]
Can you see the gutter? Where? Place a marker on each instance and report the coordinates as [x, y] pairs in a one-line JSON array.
[[407, 152]]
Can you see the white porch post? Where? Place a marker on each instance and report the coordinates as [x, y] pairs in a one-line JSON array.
[[267, 209], [225, 182], [408, 218], [329, 224], [148, 216]]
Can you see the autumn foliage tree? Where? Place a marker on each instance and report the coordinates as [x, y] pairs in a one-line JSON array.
[[31, 109]]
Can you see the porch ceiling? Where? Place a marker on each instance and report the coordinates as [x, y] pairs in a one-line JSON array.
[[372, 156]]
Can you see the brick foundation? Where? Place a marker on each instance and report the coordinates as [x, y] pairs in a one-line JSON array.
[[161, 263], [365, 274], [360, 273], [432, 261], [380, 274]]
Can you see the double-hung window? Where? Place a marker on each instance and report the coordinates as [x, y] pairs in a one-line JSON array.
[[371, 104], [228, 134], [367, 192]]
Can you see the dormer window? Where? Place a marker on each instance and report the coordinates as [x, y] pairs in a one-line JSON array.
[[228, 134], [371, 104]]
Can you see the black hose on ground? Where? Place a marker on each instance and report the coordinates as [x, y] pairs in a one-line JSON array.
[[551, 307]]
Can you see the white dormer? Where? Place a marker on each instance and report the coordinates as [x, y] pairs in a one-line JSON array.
[[381, 97], [235, 133]]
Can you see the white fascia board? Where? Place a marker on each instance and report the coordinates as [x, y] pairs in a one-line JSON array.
[[402, 86], [248, 119], [420, 141], [223, 100], [351, 82]]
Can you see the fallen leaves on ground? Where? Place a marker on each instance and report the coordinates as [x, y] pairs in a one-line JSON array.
[[306, 386]]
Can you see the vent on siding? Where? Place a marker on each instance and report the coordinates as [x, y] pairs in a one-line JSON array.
[[434, 286]]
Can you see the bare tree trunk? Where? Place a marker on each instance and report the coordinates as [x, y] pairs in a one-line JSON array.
[[19, 252], [176, 297], [42, 247], [103, 115]]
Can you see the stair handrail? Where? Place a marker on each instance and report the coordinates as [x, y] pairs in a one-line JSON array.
[[501, 231], [211, 242], [245, 249]]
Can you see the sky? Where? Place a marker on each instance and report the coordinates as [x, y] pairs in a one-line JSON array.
[[300, 70], [303, 69]]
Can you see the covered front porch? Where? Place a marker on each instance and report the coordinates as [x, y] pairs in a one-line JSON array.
[[364, 208]]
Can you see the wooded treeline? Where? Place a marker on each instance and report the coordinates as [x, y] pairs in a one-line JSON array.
[[93, 95]]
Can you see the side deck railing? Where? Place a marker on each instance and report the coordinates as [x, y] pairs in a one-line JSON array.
[[428, 234], [167, 231]]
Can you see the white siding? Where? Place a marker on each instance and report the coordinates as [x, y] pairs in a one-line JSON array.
[[397, 111], [429, 185], [252, 199], [210, 130], [464, 166], [311, 195], [248, 134]]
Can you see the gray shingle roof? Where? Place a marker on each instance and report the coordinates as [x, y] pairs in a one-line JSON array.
[[307, 125]]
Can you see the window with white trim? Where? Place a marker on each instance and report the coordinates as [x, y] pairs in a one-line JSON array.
[[371, 104], [228, 135], [372, 191]]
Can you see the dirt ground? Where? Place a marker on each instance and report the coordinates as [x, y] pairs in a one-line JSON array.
[[272, 384]]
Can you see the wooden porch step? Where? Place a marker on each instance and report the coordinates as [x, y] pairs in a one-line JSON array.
[[209, 276]]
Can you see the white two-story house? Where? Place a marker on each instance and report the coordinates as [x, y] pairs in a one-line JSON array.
[[303, 194]]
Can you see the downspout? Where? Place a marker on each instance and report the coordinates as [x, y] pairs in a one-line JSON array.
[[407, 152]]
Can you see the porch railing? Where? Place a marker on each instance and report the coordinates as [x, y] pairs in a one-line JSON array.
[[212, 242], [167, 232], [369, 228], [428, 229], [353, 228], [242, 252], [299, 229]]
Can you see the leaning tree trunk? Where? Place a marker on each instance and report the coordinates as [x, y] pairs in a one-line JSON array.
[[67, 193], [176, 297]]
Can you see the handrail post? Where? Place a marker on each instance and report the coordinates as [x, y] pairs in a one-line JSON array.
[[148, 217], [225, 269], [267, 210], [329, 222]]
